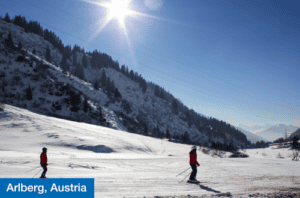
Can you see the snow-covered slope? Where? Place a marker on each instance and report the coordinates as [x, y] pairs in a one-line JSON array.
[[30, 41], [48, 99], [131, 165]]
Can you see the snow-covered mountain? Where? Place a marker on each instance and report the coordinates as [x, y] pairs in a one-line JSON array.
[[254, 128], [277, 131], [64, 95], [250, 136]]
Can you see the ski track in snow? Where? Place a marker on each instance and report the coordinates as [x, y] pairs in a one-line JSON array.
[[131, 165]]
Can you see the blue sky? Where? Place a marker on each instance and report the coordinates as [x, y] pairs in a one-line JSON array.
[[237, 61]]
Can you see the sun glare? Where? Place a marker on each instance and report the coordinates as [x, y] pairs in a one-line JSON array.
[[119, 10]]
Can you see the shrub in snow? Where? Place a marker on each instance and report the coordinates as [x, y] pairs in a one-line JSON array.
[[205, 151], [56, 106], [218, 153], [74, 108], [35, 104], [126, 106], [238, 154], [279, 156], [20, 58]]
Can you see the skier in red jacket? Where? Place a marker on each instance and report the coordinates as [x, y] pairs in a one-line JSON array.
[[193, 163], [44, 162]]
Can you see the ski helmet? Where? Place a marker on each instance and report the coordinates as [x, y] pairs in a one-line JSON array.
[[44, 149], [194, 147]]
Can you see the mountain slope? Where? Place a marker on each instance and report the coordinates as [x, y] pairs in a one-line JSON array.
[[296, 133], [64, 95]]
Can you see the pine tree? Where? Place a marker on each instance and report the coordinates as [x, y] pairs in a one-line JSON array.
[[84, 61], [79, 71], [175, 106], [168, 134], [144, 86], [19, 46], [162, 95], [145, 129], [64, 64], [48, 54], [9, 41], [96, 85], [131, 75], [112, 87], [103, 79], [28, 93], [117, 94], [74, 58], [108, 84], [123, 69], [126, 106], [156, 91], [186, 138], [85, 105], [7, 18]]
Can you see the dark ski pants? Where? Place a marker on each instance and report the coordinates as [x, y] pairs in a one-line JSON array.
[[45, 170], [194, 172]]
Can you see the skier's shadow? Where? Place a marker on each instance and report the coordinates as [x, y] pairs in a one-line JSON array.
[[207, 188]]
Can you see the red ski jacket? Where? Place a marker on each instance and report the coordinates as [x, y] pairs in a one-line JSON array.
[[43, 158], [193, 157]]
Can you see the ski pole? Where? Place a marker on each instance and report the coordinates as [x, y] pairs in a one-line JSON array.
[[37, 173], [183, 171], [32, 169], [185, 177]]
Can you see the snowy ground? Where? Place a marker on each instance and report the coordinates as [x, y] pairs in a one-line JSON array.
[[131, 165]]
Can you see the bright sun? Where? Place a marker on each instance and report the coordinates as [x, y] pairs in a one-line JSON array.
[[119, 9], [116, 9]]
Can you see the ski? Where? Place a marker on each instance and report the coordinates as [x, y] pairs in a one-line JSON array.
[[193, 182]]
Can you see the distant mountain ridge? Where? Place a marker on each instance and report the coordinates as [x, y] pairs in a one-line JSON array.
[[254, 128], [277, 131], [251, 137]]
